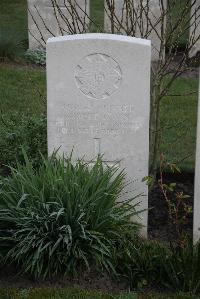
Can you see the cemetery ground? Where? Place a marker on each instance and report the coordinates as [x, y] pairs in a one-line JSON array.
[[23, 97], [23, 113], [81, 294]]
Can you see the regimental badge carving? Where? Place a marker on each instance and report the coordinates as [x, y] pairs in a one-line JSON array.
[[98, 76]]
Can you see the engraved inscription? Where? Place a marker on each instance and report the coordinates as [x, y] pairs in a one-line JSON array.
[[110, 120], [98, 76]]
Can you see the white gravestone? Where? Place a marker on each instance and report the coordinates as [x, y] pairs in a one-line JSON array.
[[143, 25], [195, 28], [98, 102], [196, 213], [46, 20]]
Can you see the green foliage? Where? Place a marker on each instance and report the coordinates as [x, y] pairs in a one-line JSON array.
[[141, 262], [29, 134], [36, 56], [182, 269], [153, 264], [63, 217]]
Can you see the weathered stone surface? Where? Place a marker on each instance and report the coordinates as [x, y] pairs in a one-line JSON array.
[[196, 215], [45, 20], [98, 102], [195, 28], [138, 20]]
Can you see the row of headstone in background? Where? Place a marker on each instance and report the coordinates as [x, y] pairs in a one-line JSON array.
[[43, 15], [45, 21], [154, 14], [144, 18], [99, 101]]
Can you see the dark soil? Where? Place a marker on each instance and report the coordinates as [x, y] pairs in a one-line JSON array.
[[10, 277], [158, 222]]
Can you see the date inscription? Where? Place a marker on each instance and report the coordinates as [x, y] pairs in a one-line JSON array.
[[107, 120]]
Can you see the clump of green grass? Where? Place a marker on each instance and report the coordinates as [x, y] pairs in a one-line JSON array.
[[150, 264], [63, 217]]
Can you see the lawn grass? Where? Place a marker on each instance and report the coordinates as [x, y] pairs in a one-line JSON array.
[[13, 17], [167, 296], [97, 14], [13, 29], [59, 293], [22, 91], [179, 119]]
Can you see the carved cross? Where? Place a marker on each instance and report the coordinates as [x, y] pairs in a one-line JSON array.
[[97, 151]]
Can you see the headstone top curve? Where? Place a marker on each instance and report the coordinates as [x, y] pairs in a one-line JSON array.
[[100, 36]]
